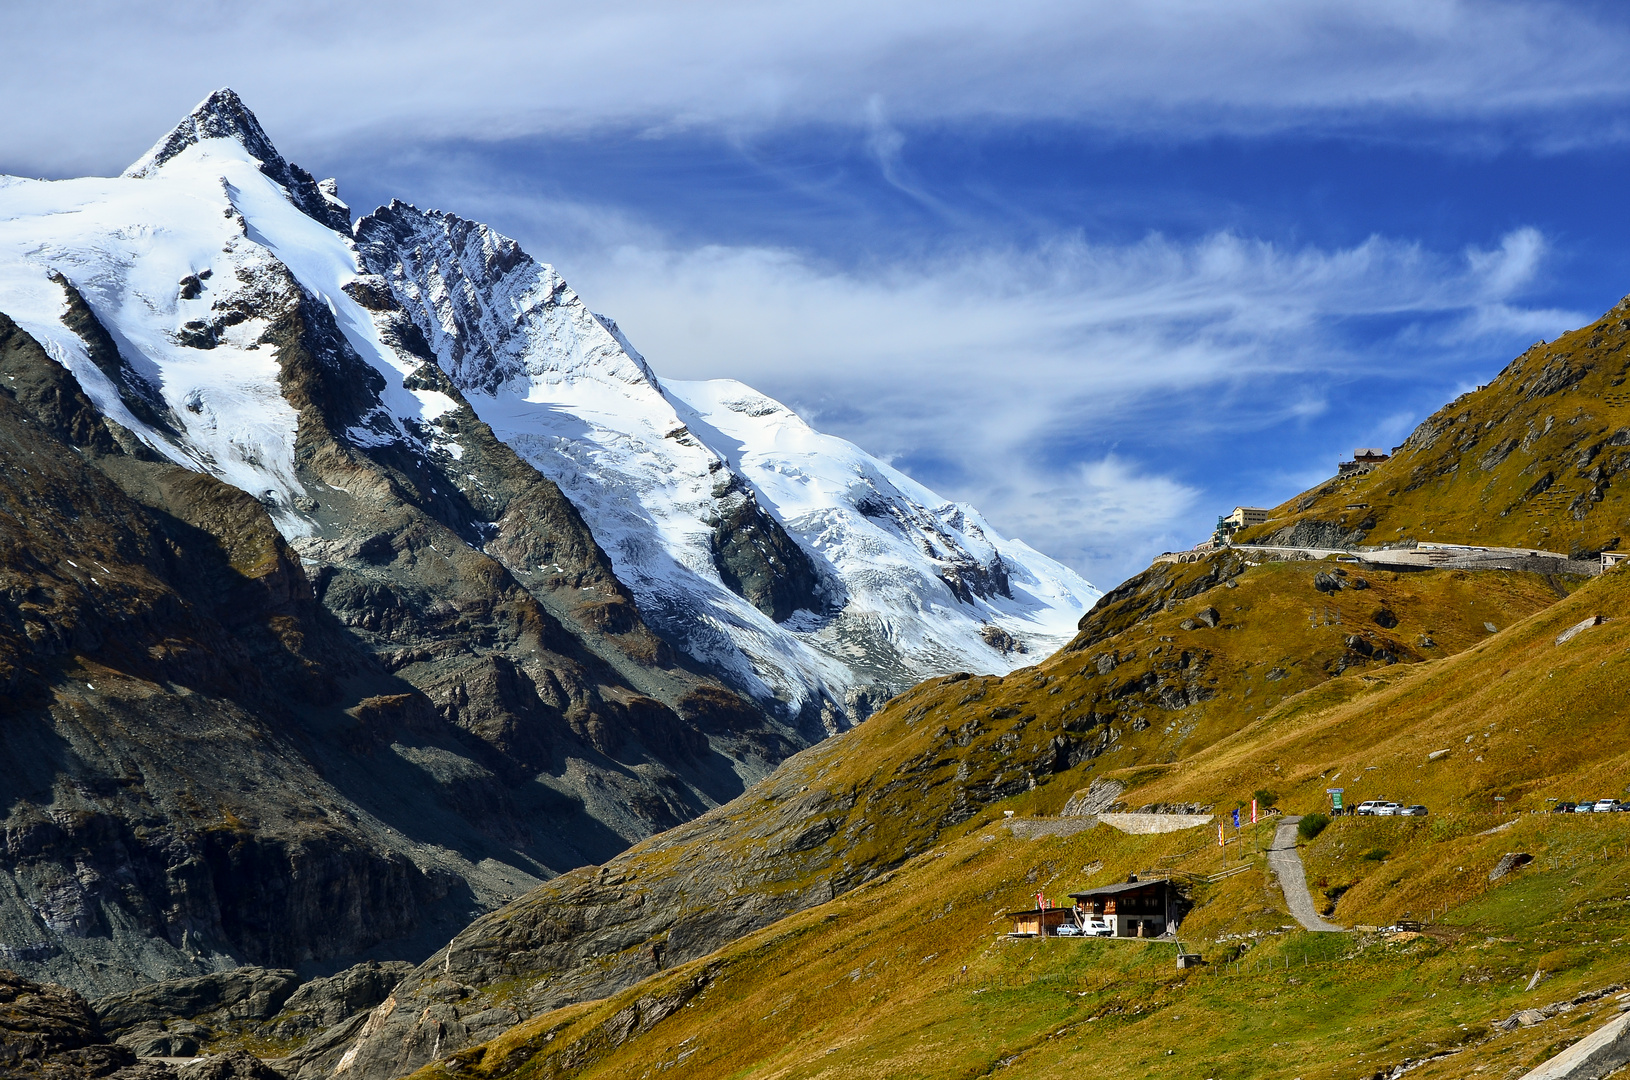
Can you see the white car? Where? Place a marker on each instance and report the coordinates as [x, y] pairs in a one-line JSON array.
[[1098, 927], [1386, 809], [1605, 806]]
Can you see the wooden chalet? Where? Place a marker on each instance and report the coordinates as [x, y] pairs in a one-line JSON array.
[[1131, 909]]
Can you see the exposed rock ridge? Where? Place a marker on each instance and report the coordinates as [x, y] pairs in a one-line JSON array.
[[870, 580]]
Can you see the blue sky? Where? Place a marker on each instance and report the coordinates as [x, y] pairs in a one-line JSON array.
[[1102, 269]]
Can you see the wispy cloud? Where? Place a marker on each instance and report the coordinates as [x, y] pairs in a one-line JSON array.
[[1171, 68]]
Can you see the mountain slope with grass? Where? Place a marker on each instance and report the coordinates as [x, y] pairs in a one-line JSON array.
[[1534, 459], [909, 974], [1152, 682]]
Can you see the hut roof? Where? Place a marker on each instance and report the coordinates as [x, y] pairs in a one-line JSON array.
[[1112, 890]]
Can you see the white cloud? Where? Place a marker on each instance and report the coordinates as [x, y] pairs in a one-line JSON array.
[[89, 80], [1092, 512]]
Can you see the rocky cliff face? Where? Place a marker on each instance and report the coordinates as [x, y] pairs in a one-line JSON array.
[[300, 660], [197, 768]]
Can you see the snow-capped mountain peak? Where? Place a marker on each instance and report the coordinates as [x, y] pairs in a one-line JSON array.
[[793, 564], [224, 118]]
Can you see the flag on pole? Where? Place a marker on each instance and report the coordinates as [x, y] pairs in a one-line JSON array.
[[1219, 834], [1253, 811], [1236, 817]]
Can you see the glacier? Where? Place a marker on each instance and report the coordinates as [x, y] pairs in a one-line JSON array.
[[813, 576]]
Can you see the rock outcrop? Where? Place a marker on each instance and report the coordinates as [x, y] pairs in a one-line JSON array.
[[48, 1032], [219, 754]]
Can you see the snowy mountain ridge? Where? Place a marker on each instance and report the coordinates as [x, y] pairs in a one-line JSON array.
[[905, 583], [804, 570]]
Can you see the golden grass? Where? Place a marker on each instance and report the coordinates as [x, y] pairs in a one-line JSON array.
[[1476, 472], [872, 984]]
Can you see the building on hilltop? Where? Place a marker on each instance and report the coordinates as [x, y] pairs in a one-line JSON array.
[[1242, 517], [1365, 458]]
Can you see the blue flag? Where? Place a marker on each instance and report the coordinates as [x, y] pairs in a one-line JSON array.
[[1236, 817]]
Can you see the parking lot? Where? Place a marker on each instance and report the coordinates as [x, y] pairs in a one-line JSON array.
[[1387, 808]]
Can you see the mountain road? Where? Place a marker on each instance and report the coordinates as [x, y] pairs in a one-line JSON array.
[[1287, 865]]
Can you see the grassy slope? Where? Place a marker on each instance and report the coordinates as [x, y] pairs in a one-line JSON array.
[[1531, 460], [868, 984]]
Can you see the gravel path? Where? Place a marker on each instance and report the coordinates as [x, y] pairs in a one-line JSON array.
[[1287, 865]]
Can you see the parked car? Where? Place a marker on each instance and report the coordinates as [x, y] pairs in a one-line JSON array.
[[1411, 811], [1606, 806], [1067, 930], [1386, 809], [1368, 807], [1586, 807], [1097, 926], [1562, 808]]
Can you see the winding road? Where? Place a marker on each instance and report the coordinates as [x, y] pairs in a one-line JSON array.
[[1287, 865]]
